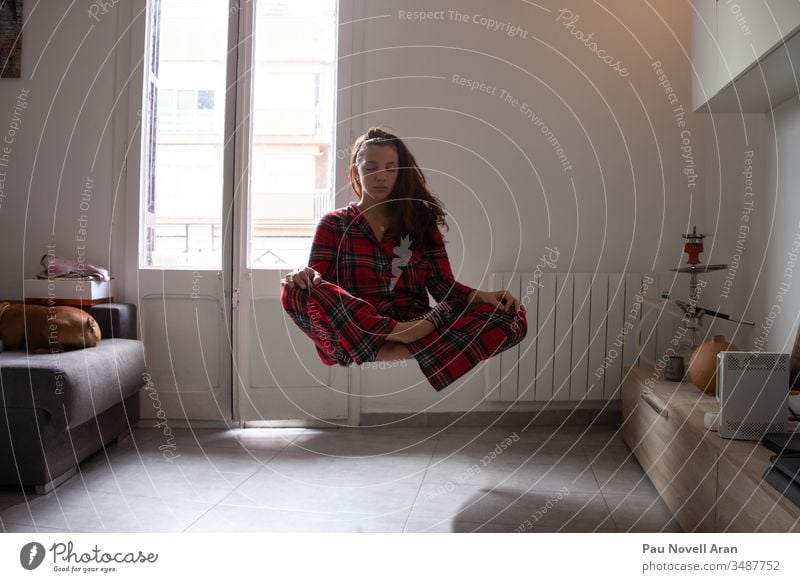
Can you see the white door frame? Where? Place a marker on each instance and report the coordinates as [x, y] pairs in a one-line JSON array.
[[349, 101], [349, 41]]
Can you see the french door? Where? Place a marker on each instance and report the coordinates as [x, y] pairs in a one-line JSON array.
[[244, 166]]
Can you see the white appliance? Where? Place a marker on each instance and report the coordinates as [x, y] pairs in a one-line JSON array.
[[753, 392]]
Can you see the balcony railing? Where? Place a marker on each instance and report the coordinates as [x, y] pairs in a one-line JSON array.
[[322, 204], [273, 241], [190, 121]]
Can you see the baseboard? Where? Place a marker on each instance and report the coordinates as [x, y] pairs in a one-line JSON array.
[[183, 423], [610, 415], [579, 414]]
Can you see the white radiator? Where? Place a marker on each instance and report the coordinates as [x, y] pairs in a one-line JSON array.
[[580, 335]]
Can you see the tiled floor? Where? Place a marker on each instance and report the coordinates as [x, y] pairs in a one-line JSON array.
[[463, 479]]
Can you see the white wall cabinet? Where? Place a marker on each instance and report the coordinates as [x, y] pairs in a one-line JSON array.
[[707, 78], [747, 31], [743, 53]]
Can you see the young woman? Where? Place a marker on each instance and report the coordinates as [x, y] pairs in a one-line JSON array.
[[364, 295]]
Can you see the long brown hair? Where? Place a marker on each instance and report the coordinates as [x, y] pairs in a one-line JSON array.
[[412, 208]]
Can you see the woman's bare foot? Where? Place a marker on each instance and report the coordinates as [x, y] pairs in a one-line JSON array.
[[392, 351], [406, 332]]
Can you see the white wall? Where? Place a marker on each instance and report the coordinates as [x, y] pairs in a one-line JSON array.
[[69, 132], [776, 266], [501, 180], [734, 209], [625, 200]]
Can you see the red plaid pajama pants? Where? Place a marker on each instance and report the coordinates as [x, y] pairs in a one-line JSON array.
[[346, 330]]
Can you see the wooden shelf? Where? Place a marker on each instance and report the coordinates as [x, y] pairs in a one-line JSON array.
[[709, 483]]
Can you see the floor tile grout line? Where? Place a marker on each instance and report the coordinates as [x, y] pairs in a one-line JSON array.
[[218, 502], [628, 496], [215, 505], [56, 529], [421, 483]]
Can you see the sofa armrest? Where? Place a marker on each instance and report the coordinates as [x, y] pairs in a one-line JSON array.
[[116, 320]]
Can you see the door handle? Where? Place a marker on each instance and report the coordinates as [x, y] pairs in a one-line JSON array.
[[660, 410]]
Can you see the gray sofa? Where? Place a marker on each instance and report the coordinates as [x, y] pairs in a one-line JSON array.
[[57, 409]]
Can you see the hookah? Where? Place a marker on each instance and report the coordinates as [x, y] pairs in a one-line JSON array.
[[689, 313]]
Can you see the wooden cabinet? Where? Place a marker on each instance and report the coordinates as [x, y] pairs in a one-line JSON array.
[[743, 54], [679, 464], [709, 483], [745, 503]]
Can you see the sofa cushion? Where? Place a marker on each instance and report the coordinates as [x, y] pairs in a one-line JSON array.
[[75, 386]]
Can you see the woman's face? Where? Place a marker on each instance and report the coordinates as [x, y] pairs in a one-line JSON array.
[[377, 171]]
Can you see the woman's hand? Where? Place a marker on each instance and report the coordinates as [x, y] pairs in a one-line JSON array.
[[502, 299], [304, 277]]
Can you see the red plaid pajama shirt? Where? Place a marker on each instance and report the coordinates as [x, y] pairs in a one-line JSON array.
[[369, 285]]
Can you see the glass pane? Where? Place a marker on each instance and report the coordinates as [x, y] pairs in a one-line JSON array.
[[187, 206], [205, 100], [293, 115], [185, 99]]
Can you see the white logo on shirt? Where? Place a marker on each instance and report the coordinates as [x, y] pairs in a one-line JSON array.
[[402, 255]]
